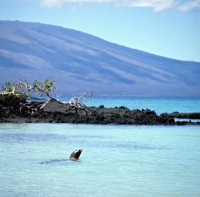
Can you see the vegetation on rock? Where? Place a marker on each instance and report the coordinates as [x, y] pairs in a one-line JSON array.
[[23, 89], [15, 94]]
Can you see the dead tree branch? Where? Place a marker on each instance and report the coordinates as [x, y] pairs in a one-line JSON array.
[[77, 102]]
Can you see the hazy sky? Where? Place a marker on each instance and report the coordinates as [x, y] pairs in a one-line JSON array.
[[169, 28]]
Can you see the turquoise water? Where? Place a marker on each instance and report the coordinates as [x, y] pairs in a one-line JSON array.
[[160, 105], [117, 160], [121, 161]]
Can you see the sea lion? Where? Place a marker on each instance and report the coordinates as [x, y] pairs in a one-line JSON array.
[[73, 157], [75, 154]]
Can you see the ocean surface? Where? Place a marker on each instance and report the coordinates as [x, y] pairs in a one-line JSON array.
[[117, 160], [158, 104]]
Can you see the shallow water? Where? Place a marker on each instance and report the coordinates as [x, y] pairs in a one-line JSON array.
[[121, 161]]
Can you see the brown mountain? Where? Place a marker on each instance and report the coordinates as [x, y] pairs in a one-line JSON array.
[[78, 62]]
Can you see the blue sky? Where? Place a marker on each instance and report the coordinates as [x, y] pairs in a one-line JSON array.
[[170, 28]]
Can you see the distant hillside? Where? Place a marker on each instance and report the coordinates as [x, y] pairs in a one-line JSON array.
[[78, 61]]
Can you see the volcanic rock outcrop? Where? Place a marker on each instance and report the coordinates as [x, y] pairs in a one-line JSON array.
[[57, 112]]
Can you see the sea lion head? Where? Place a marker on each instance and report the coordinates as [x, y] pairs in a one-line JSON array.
[[75, 154]]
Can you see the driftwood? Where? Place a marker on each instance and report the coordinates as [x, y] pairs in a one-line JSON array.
[[77, 102], [32, 108]]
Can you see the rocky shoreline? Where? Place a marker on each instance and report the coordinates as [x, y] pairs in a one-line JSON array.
[[56, 112]]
